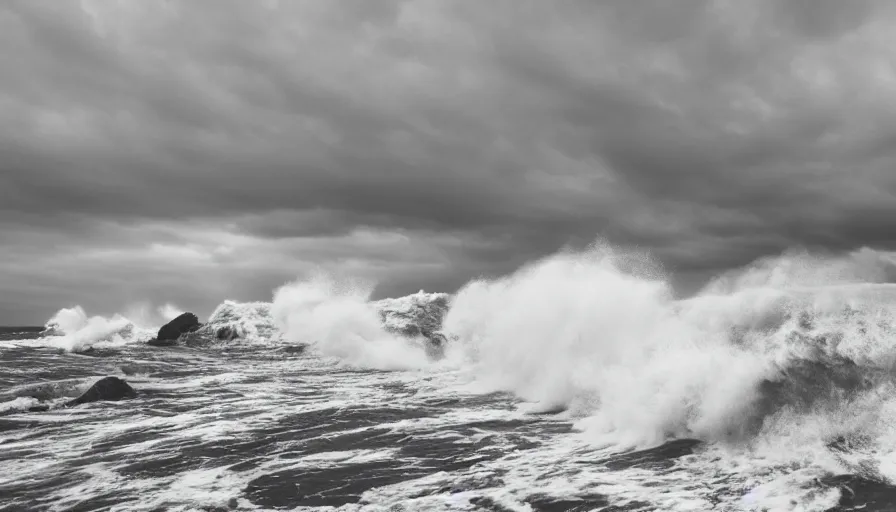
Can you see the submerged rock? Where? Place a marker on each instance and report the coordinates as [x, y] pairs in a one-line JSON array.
[[97, 352], [170, 332], [105, 389]]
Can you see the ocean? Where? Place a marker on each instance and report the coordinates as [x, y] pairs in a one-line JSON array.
[[578, 383]]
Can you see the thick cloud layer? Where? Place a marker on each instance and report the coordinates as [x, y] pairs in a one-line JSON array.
[[421, 143]]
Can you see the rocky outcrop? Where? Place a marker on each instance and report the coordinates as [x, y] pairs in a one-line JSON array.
[[413, 315], [417, 316], [170, 332], [249, 321], [105, 389]]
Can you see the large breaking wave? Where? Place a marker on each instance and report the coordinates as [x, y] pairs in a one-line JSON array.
[[793, 356], [785, 366], [334, 316], [600, 335], [73, 330], [338, 318]]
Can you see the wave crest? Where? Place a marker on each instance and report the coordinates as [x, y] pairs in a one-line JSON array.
[[338, 319], [248, 321], [73, 330], [593, 333]]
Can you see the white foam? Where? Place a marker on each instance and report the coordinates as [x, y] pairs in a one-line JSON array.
[[72, 330], [145, 316], [21, 403], [590, 332], [339, 321], [251, 322], [604, 337]]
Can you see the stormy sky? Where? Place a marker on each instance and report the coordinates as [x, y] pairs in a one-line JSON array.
[[191, 151]]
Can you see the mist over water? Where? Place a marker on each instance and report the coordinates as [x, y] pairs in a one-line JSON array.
[[72, 329], [576, 331], [781, 358], [783, 370], [339, 320]]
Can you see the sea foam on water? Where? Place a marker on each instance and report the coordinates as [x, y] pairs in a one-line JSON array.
[[784, 368]]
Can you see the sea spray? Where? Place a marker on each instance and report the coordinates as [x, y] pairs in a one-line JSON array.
[[145, 316], [73, 330], [575, 331], [66, 321], [592, 332], [250, 322], [785, 376], [337, 318]]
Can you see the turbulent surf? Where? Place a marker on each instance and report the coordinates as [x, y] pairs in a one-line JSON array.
[[579, 382]]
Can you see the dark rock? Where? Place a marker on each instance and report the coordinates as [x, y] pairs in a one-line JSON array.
[[39, 408], [107, 388], [294, 349], [170, 332]]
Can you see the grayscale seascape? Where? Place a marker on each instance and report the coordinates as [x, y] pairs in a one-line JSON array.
[[448, 255]]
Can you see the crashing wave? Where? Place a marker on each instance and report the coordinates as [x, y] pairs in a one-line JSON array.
[[66, 320], [337, 319], [412, 316], [250, 321], [72, 330], [605, 339]]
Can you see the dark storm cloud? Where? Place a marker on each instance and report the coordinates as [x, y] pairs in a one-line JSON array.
[[423, 143]]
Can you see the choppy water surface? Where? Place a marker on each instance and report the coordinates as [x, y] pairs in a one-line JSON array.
[[273, 430], [569, 385], [265, 429]]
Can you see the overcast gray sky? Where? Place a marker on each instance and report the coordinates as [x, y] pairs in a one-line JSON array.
[[191, 151]]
